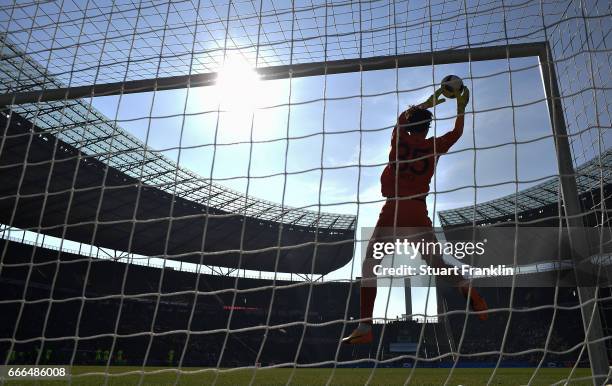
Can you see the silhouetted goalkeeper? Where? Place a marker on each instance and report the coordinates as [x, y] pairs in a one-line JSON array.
[[405, 183]]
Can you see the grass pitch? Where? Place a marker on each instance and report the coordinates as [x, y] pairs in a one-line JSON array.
[[158, 376]]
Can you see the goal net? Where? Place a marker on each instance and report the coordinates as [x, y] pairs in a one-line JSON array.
[[188, 188]]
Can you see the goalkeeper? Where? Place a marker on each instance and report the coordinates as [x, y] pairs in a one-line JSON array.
[[405, 184]]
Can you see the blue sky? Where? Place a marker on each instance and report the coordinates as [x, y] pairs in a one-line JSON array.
[[339, 138]]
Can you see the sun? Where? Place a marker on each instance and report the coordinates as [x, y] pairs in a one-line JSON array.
[[237, 85]]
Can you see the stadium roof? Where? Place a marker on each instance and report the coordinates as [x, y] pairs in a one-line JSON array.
[[49, 187], [78, 124], [589, 176]]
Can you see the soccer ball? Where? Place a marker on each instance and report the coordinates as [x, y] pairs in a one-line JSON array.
[[452, 85]]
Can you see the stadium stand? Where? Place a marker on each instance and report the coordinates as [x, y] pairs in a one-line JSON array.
[[132, 309], [528, 314], [107, 308]]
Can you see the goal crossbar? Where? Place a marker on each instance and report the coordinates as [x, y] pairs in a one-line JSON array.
[[282, 72]]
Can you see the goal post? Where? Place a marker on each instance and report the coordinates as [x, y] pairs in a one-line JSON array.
[[587, 296]]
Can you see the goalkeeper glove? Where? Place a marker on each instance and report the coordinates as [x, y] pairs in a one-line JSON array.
[[462, 100], [433, 100]]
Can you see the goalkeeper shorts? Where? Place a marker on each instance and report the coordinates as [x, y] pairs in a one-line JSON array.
[[410, 213]]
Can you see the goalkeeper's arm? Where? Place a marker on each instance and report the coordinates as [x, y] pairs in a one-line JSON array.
[[462, 101], [433, 100], [444, 142]]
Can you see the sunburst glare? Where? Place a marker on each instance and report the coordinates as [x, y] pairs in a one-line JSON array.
[[237, 86]]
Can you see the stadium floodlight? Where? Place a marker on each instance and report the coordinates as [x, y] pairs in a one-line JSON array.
[[55, 62]]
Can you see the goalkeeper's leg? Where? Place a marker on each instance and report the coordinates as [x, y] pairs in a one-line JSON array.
[[386, 230], [367, 296], [410, 214], [477, 302]]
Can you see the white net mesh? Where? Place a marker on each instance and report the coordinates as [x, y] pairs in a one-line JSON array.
[[157, 231]]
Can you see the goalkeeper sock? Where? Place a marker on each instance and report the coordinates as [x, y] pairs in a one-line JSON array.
[[366, 302]]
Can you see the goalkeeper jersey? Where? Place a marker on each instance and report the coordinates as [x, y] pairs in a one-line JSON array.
[[412, 162]]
